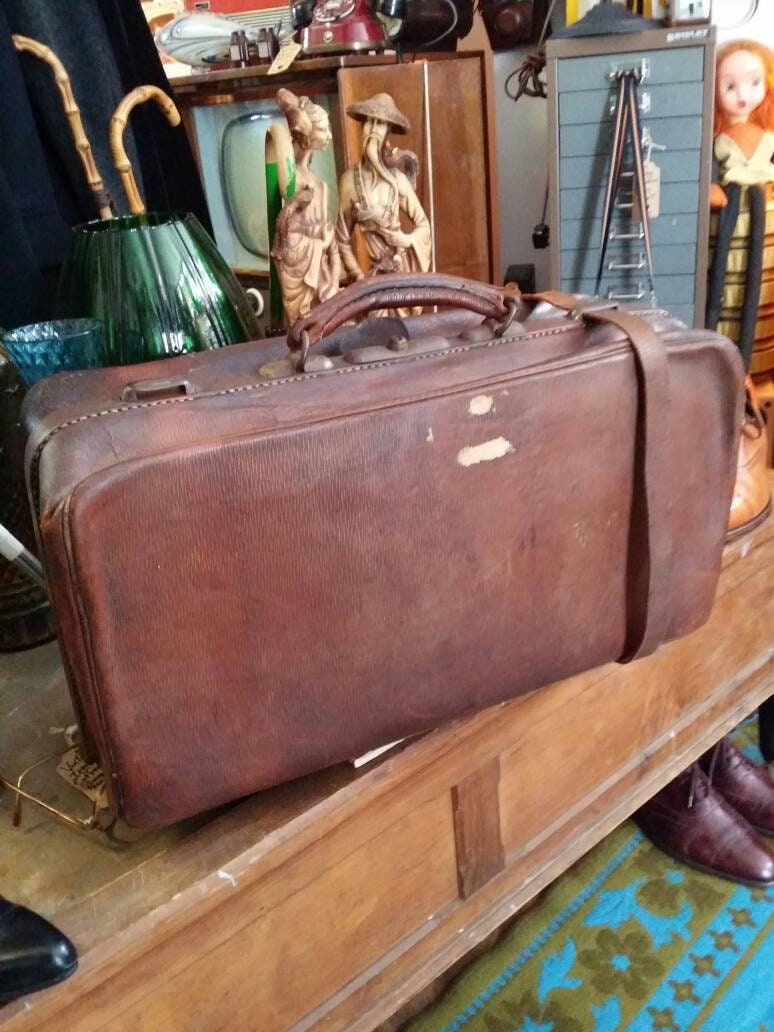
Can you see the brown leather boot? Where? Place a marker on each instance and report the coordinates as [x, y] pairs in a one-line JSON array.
[[692, 822], [745, 785], [751, 502]]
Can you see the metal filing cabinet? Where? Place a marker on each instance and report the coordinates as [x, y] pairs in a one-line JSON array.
[[676, 105]]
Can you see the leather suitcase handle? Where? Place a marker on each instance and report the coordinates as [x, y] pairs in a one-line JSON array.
[[652, 582], [398, 290]]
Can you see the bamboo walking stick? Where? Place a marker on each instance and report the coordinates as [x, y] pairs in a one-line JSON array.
[[117, 126], [82, 145]]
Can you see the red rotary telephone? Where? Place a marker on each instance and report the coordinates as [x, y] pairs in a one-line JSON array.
[[336, 26]]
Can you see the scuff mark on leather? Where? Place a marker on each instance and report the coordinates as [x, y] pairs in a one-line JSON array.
[[471, 455], [481, 405], [429, 437]]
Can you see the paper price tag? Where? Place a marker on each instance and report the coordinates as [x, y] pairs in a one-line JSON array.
[[652, 191], [87, 778], [288, 52]]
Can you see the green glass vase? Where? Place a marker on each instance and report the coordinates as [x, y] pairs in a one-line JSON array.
[[159, 285]]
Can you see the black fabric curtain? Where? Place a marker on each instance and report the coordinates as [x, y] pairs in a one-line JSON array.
[[107, 50]]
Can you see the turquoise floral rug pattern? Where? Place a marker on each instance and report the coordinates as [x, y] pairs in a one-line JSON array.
[[628, 940]]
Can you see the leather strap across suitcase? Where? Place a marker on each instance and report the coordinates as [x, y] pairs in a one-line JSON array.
[[264, 565]]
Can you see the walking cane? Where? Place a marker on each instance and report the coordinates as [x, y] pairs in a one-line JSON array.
[[14, 551], [82, 145]]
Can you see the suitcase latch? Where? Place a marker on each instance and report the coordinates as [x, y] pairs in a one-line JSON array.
[[396, 347], [152, 390]]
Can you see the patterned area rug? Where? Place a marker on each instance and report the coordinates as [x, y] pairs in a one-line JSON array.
[[629, 940]]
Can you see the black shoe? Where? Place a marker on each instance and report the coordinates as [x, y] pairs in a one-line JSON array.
[[766, 729], [33, 954]]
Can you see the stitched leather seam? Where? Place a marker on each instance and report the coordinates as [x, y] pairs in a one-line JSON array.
[[266, 384], [538, 334], [105, 745], [481, 383]]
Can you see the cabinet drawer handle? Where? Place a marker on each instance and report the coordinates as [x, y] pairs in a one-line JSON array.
[[627, 236], [613, 296], [614, 266]]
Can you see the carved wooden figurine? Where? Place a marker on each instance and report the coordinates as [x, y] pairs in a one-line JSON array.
[[304, 247], [374, 192]]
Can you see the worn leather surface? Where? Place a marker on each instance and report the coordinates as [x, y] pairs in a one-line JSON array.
[[266, 577], [745, 785], [751, 501], [33, 953], [691, 820]]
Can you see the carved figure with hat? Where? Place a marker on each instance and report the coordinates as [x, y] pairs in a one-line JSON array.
[[374, 194]]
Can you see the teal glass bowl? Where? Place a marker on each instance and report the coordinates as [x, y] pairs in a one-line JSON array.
[[43, 349], [159, 285]]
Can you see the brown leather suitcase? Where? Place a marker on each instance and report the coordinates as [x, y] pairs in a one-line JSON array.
[[258, 577]]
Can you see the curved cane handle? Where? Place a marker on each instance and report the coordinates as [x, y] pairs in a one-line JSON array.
[[399, 290], [117, 127], [62, 79]]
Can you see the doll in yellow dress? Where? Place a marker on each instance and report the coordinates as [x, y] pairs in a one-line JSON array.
[[741, 285]]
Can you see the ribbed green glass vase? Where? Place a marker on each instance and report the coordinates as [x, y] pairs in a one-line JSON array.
[[159, 285]]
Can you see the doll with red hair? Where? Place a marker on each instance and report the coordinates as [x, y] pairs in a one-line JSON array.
[[712, 815], [741, 287]]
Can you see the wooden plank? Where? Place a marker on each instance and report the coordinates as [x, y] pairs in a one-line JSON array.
[[476, 809], [382, 991], [477, 42], [262, 977], [457, 151], [462, 178]]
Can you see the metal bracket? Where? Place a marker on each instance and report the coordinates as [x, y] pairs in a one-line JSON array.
[[613, 266], [643, 67], [613, 296], [627, 236]]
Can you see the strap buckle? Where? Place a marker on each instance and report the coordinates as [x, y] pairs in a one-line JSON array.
[[592, 305], [511, 306]]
